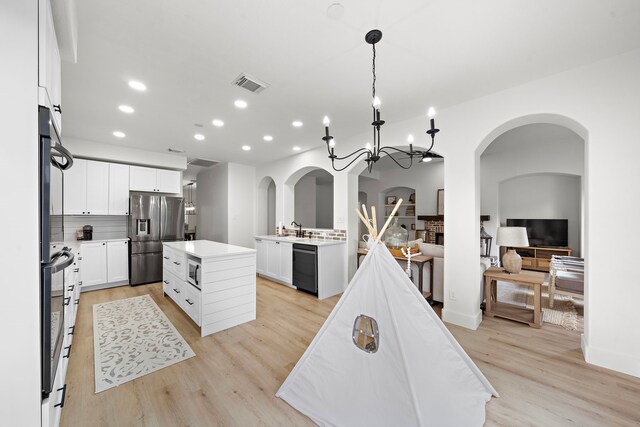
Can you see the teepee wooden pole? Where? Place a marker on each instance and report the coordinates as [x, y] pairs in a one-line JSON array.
[[375, 221], [386, 224], [366, 216], [365, 221]]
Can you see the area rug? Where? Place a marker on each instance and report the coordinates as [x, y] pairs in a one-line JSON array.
[[562, 314], [131, 338]]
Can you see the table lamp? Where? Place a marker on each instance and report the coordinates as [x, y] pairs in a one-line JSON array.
[[512, 237]]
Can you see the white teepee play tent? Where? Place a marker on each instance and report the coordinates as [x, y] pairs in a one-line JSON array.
[[403, 368]]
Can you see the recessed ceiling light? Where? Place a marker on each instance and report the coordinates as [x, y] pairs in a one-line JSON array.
[[296, 123], [246, 147], [126, 109], [139, 86], [217, 123], [268, 138], [199, 136], [119, 134], [296, 148], [240, 103]]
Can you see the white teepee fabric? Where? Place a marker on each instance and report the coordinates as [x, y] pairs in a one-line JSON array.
[[419, 376]]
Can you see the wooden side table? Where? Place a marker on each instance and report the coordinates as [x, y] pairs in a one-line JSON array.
[[495, 308], [418, 260]]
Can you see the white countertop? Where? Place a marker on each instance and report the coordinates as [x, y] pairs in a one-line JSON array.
[[304, 241], [208, 249]]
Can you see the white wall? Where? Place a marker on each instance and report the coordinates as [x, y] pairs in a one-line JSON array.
[[242, 202], [20, 310], [544, 197], [324, 206], [122, 154], [305, 202], [226, 204], [213, 209], [599, 102]]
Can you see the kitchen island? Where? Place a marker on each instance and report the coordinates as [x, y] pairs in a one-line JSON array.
[[213, 283]]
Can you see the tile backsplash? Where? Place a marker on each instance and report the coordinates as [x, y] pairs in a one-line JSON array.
[[104, 227], [323, 234]]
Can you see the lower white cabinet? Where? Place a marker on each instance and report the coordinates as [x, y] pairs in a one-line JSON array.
[[117, 261], [94, 263], [104, 263], [277, 259], [261, 256]]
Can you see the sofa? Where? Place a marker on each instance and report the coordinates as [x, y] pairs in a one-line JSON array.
[[437, 252]]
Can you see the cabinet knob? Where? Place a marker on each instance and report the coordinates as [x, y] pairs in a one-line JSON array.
[[103, 244]]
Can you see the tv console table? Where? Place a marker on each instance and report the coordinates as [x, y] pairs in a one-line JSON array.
[[537, 258]]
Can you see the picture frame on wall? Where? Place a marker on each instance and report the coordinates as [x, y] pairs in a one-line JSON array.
[[392, 200], [440, 202]]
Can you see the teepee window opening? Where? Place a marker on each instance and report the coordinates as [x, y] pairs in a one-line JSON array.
[[365, 334]]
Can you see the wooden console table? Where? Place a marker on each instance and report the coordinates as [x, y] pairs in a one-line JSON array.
[[509, 311], [418, 260]]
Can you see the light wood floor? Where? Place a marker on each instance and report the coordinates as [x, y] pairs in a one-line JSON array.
[[232, 381]]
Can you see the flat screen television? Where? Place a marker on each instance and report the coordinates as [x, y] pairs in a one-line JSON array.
[[544, 232]]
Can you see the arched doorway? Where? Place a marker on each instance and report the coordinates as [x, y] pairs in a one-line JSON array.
[[266, 209], [309, 195]]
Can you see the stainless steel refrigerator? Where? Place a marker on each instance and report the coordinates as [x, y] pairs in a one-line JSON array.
[[153, 220]]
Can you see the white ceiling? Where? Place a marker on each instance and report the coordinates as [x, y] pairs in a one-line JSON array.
[[432, 53]]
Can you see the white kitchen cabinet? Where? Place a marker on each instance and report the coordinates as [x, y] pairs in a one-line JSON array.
[[261, 256], [168, 181], [286, 262], [94, 263], [86, 188], [118, 189], [97, 188], [49, 65], [75, 188], [117, 261], [154, 180], [277, 259]]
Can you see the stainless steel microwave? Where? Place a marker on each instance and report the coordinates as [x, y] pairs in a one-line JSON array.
[[195, 271]]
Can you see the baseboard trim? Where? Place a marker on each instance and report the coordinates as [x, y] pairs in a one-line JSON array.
[[607, 359], [103, 286], [462, 319]]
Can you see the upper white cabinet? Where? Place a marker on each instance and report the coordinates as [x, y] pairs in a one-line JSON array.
[[154, 180], [49, 67], [118, 189], [86, 188]]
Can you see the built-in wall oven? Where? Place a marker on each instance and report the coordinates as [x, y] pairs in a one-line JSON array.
[[54, 160]]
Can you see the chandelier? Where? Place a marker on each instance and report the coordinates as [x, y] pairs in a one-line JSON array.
[[373, 152]]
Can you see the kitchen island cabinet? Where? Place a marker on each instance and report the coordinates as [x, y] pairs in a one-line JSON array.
[[224, 294]]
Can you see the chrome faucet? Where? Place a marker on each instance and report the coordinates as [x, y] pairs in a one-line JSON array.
[[299, 231]]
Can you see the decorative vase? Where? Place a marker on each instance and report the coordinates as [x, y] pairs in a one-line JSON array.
[[512, 262], [396, 237]]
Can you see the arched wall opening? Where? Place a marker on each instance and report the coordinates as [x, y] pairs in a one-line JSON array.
[[309, 195], [535, 167]]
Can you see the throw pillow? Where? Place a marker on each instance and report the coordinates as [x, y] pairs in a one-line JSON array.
[[430, 249]]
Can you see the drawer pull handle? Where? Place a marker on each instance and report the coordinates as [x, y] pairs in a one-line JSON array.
[[67, 300], [188, 302], [176, 262], [166, 282], [64, 394], [77, 301], [66, 356], [176, 291], [165, 257], [75, 270], [73, 329], [71, 288]]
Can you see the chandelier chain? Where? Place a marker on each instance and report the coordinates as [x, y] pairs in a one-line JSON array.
[[373, 68]]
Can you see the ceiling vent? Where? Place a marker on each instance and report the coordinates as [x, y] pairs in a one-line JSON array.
[[249, 83], [202, 162]]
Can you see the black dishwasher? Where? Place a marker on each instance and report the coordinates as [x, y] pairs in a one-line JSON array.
[[305, 268]]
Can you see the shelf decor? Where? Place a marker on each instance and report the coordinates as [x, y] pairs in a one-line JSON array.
[[374, 152]]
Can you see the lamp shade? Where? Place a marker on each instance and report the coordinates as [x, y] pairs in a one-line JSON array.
[[512, 237]]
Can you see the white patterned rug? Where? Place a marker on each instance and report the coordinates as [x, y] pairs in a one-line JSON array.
[[131, 338], [563, 313]]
